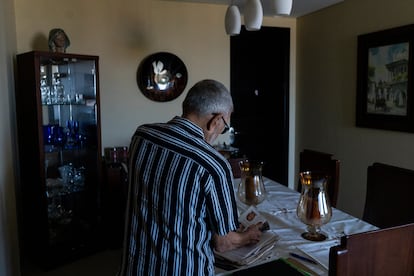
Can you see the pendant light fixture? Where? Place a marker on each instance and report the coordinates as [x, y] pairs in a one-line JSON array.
[[282, 7], [253, 15], [232, 20]]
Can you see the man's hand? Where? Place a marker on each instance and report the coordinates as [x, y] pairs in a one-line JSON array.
[[238, 239]]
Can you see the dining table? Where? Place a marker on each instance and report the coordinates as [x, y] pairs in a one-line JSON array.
[[279, 209]]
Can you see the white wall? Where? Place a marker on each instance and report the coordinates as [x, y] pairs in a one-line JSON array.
[[9, 262], [326, 93], [122, 33]]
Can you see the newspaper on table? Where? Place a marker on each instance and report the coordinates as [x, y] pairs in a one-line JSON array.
[[250, 253]]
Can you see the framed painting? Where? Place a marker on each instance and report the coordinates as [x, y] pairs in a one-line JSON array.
[[384, 79]]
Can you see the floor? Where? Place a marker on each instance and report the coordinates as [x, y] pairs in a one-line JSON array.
[[104, 263]]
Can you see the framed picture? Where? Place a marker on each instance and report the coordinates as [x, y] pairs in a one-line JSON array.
[[162, 76], [385, 79]]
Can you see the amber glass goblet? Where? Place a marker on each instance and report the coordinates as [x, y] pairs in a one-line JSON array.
[[314, 208], [251, 190]]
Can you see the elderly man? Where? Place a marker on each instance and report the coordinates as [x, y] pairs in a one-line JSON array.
[[181, 203]]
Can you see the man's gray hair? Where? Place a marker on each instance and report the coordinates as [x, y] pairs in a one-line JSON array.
[[207, 97]]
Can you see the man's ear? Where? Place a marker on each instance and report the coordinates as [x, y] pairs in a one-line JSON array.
[[212, 123]]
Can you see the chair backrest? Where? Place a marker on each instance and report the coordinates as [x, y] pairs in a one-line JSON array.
[[389, 196], [310, 160], [388, 251], [235, 166]]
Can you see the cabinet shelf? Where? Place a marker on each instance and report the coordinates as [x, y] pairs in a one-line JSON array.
[[67, 104]]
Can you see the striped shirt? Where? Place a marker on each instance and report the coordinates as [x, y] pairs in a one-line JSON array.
[[180, 194]]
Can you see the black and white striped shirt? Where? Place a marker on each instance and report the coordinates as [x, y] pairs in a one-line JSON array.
[[180, 194]]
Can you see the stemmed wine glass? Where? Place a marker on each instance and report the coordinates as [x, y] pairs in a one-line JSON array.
[[314, 208]]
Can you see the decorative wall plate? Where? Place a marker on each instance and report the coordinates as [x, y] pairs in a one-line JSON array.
[[162, 76]]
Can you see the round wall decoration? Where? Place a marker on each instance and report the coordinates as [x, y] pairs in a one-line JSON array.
[[162, 76]]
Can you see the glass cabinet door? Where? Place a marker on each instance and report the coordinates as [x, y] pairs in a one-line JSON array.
[[69, 118], [60, 180]]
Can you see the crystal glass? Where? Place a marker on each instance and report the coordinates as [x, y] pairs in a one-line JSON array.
[[314, 208], [251, 190]]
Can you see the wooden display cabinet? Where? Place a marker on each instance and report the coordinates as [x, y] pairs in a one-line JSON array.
[[59, 138]]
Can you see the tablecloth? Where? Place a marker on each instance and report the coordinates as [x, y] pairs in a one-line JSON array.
[[279, 208]]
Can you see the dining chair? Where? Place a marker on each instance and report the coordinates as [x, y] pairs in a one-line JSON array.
[[311, 160], [390, 191], [388, 251], [235, 166]]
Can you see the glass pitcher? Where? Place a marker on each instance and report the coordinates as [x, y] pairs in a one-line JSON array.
[[251, 190], [314, 208]]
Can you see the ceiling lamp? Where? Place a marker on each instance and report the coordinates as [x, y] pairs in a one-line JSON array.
[[232, 20], [253, 15], [282, 7]]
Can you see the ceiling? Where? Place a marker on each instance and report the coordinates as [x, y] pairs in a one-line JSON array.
[[300, 7]]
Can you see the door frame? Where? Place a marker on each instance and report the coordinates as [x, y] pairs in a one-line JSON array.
[[293, 159]]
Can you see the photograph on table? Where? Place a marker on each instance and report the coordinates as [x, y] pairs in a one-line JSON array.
[[252, 216]]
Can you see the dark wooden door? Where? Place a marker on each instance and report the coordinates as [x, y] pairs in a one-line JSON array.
[[260, 88]]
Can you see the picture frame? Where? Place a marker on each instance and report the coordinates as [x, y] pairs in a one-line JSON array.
[[162, 76], [384, 79]]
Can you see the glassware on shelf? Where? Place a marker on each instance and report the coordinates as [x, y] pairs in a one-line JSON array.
[[66, 174], [79, 179], [79, 98], [58, 90], [44, 88], [72, 134], [53, 137], [48, 135], [56, 137], [251, 190], [314, 208], [73, 179], [59, 135]]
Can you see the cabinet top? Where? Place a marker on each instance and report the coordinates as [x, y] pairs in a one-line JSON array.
[[58, 55]]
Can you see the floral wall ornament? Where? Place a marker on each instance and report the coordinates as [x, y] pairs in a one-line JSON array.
[[162, 76]]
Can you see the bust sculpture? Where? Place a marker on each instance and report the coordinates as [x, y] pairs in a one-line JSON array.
[[58, 40]]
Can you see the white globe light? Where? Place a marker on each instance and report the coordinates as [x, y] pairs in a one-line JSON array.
[[232, 20], [253, 15], [282, 7]]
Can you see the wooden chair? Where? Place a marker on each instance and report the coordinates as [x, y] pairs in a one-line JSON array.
[[389, 196], [235, 167], [388, 251], [310, 160]]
